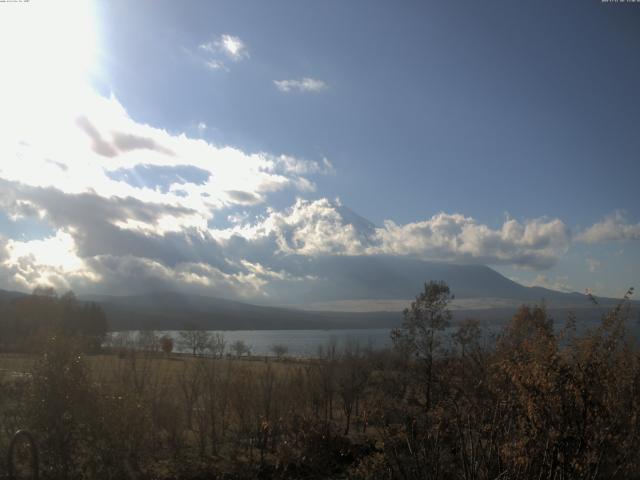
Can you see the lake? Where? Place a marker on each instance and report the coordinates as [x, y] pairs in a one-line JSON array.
[[300, 343], [305, 343]]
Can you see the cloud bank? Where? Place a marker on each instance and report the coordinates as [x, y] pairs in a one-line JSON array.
[[130, 208]]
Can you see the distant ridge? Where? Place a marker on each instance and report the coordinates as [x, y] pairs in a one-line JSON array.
[[391, 277], [173, 310], [9, 295], [359, 278]]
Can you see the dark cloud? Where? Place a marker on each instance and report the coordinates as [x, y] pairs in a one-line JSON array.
[[243, 198], [82, 208], [122, 142], [60, 165], [92, 220], [126, 142], [3, 249], [128, 275], [99, 145], [124, 275]]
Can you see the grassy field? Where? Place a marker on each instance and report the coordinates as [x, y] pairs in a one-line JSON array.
[[176, 413], [110, 365]]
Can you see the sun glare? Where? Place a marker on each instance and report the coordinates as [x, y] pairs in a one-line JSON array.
[[47, 51], [55, 251]]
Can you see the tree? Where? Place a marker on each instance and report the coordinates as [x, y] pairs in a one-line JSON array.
[[61, 405], [44, 291], [31, 319], [121, 340], [217, 345], [353, 375], [196, 340], [240, 348], [467, 335], [529, 325], [166, 344], [279, 350], [148, 341], [426, 316]]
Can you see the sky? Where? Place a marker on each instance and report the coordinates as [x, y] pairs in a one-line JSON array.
[[226, 147]]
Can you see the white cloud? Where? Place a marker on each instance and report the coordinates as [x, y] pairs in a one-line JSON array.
[[213, 64], [91, 149], [321, 227], [231, 46], [314, 228], [614, 227], [535, 243], [305, 84], [289, 164]]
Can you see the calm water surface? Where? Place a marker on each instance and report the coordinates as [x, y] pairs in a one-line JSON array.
[[300, 343], [305, 343]]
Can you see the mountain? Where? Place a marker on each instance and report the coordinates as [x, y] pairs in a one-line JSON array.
[[173, 310], [391, 277], [481, 293], [390, 283], [8, 295], [365, 228]]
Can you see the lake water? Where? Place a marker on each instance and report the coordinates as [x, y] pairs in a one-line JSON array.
[[305, 343], [299, 343]]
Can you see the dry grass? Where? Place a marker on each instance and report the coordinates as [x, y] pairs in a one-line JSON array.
[[109, 366], [15, 364]]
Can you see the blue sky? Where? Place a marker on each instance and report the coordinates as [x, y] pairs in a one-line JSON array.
[[499, 132], [467, 106]]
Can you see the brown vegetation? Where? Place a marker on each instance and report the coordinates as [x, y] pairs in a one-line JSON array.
[[538, 403]]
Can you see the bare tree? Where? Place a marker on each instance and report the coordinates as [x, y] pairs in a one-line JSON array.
[[148, 341], [122, 342], [217, 345], [353, 376], [195, 340], [428, 314], [279, 350], [240, 348]]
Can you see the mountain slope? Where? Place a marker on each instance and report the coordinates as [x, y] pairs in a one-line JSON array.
[[175, 311], [172, 310], [481, 293], [386, 277]]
